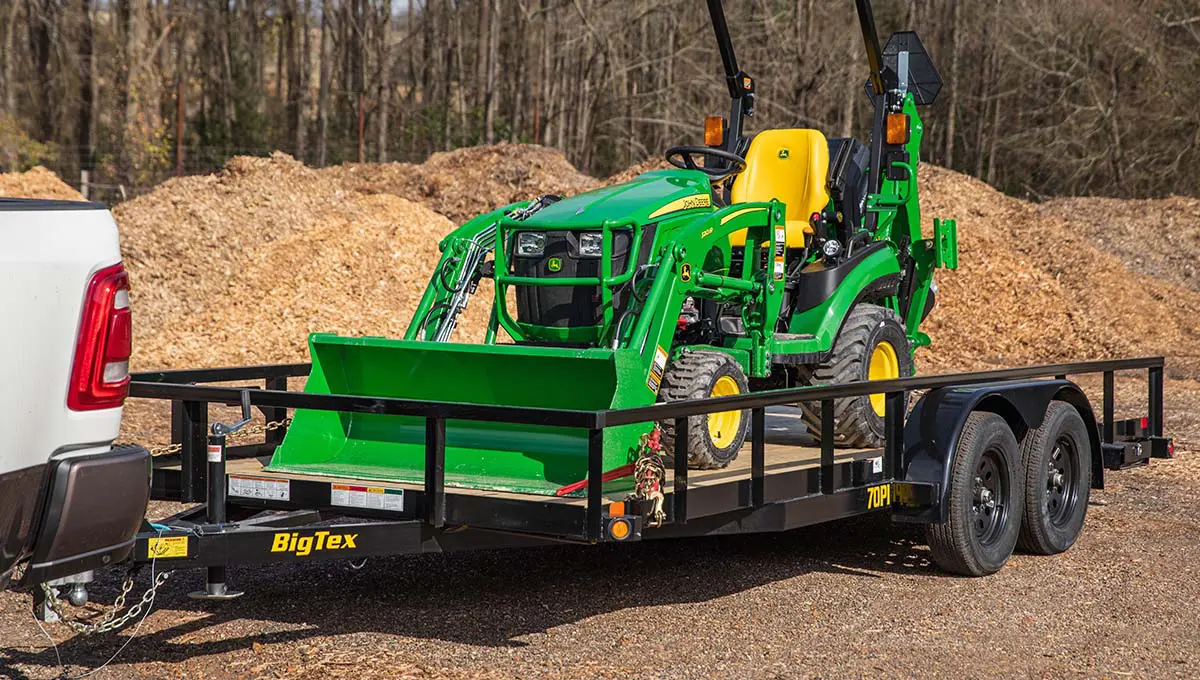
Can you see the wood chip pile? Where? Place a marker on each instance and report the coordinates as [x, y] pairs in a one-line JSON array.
[[238, 267], [1032, 288], [1159, 238], [463, 183], [36, 183]]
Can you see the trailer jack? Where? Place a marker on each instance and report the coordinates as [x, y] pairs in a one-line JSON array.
[[215, 585]]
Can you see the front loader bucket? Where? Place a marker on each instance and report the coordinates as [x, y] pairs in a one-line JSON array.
[[479, 455]]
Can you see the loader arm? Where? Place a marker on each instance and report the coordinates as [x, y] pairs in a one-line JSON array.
[[457, 274], [690, 265]]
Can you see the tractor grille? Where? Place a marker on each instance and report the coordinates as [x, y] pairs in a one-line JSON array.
[[571, 306]]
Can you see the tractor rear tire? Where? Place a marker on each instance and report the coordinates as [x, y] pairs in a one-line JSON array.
[[714, 439], [1058, 468], [872, 344], [985, 500]]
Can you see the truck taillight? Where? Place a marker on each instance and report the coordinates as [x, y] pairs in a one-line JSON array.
[[100, 374]]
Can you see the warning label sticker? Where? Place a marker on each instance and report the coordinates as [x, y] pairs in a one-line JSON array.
[[167, 547], [371, 498], [654, 381], [260, 487]]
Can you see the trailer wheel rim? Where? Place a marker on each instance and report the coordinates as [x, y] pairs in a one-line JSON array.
[[1062, 471], [989, 500], [723, 426], [884, 365]]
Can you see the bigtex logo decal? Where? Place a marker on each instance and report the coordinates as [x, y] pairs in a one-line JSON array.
[[306, 545]]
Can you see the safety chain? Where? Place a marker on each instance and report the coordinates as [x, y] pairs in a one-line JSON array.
[[111, 620], [649, 473], [240, 435]]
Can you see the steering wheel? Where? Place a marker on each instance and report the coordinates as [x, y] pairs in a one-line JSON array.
[[684, 158]]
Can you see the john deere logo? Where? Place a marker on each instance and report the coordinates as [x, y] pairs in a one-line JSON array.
[[784, 154], [554, 264], [685, 273]]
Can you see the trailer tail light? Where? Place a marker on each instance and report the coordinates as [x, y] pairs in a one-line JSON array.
[[100, 374]]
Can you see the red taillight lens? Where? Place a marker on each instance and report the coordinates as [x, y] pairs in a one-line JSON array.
[[100, 374]]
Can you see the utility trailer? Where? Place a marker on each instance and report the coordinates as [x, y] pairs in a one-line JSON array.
[[944, 463]]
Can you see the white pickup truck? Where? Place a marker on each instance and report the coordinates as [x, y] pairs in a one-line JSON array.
[[69, 500]]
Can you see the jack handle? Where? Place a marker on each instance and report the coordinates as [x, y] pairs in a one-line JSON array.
[[221, 429]]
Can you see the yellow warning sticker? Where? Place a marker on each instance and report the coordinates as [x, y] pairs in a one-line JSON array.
[[654, 380], [167, 547]]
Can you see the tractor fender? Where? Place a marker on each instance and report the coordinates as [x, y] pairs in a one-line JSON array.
[[827, 295], [934, 426]]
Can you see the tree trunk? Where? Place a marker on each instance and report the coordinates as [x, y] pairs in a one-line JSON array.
[[10, 84], [955, 52], [40, 42], [304, 96], [85, 121], [493, 60], [385, 80], [324, 84]]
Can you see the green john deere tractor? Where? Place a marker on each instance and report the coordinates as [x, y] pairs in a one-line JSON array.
[[769, 260]]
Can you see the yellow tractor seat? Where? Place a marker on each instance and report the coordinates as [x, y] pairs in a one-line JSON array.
[[791, 166]]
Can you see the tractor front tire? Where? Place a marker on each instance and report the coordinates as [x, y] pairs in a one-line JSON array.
[[872, 345], [713, 439]]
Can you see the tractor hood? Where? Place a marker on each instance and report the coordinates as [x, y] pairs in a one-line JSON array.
[[646, 198]]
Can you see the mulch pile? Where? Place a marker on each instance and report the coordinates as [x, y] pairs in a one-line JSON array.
[[1158, 238], [1033, 288], [463, 183], [239, 266], [36, 183]]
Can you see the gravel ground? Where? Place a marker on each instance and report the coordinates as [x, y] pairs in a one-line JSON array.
[[853, 599]]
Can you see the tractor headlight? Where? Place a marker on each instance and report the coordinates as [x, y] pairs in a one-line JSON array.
[[531, 244], [591, 244]]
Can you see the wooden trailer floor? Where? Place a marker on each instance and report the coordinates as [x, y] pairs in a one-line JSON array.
[[788, 447]]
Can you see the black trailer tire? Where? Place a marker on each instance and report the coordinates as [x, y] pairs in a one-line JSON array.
[[714, 439], [871, 337], [1058, 479], [985, 499]]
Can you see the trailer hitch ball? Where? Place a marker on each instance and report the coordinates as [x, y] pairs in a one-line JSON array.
[[78, 595]]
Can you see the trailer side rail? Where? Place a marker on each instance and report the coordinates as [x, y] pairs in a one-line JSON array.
[[190, 431]]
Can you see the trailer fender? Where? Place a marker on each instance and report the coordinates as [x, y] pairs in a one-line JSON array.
[[935, 424]]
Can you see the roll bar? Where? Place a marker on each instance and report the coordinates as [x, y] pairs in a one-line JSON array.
[[741, 85], [866, 19]]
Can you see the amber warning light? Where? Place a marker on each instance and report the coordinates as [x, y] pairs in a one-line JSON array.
[[714, 131]]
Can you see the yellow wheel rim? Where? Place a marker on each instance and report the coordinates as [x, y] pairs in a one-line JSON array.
[[885, 365], [723, 427]]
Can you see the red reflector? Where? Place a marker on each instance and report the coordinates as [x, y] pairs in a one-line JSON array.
[[1145, 423], [100, 374]]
